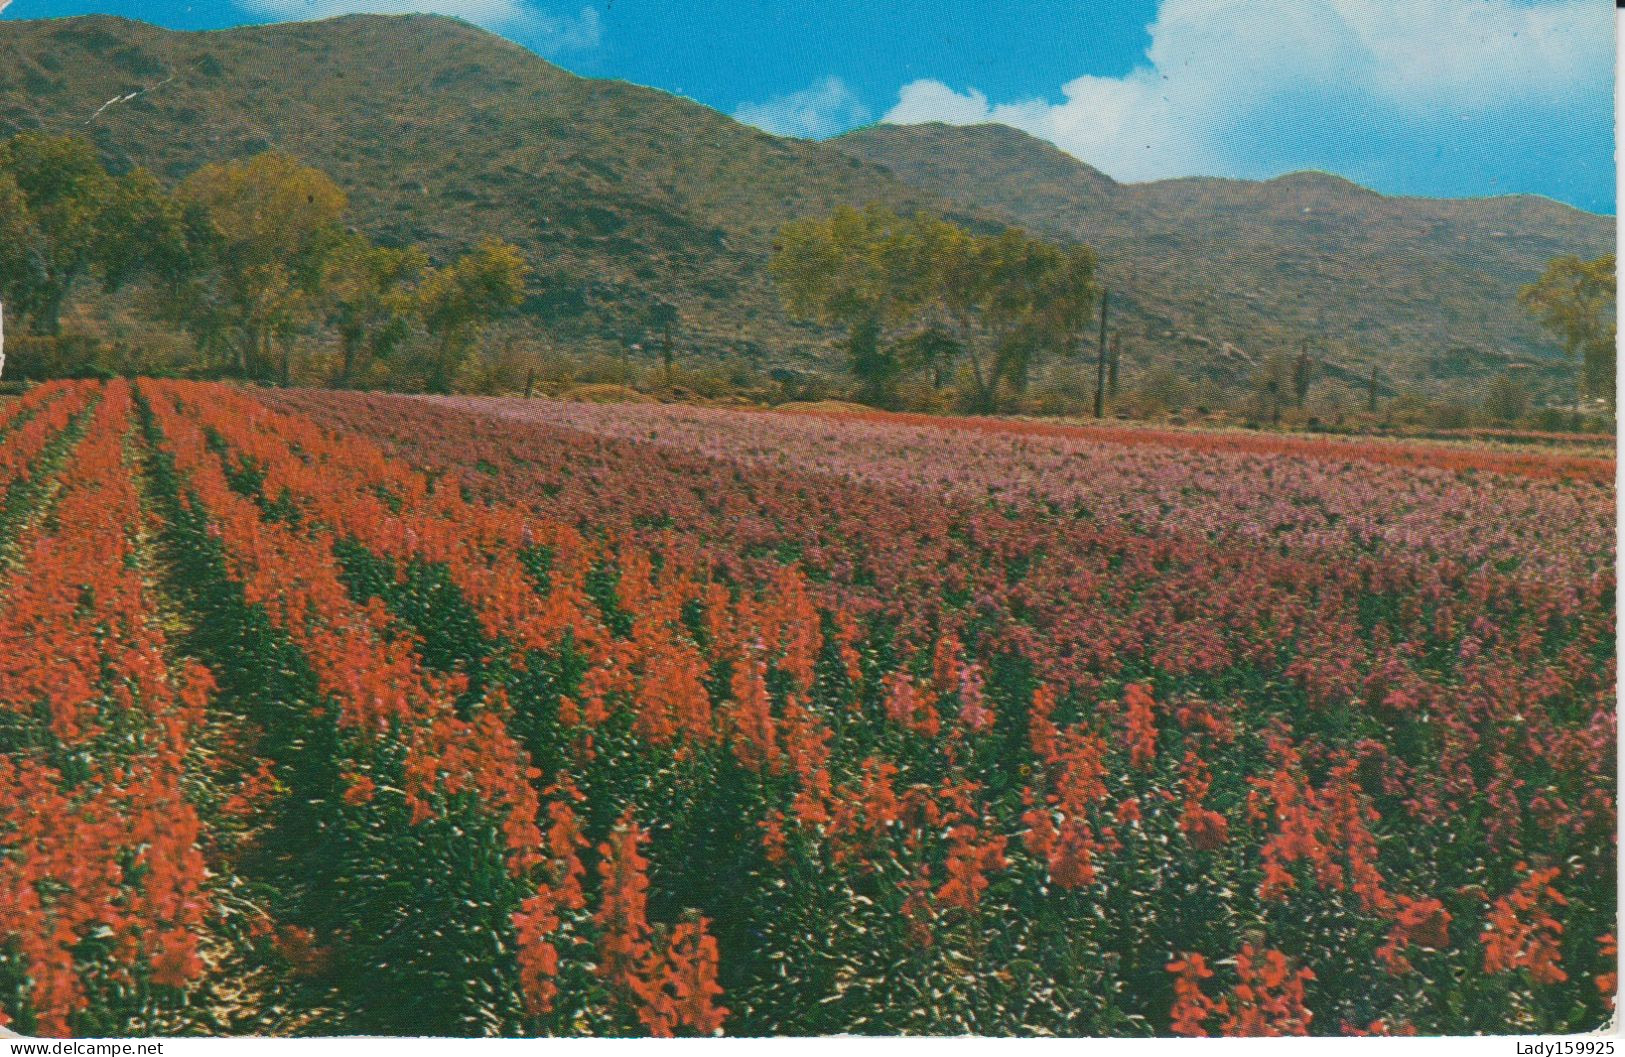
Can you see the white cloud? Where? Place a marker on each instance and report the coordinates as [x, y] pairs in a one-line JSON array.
[[1227, 83], [822, 109], [543, 31], [580, 33], [922, 101]]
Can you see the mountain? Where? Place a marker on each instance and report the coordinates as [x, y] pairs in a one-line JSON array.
[[622, 197], [1201, 264], [627, 199]]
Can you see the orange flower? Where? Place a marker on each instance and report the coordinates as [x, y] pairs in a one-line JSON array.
[[298, 945], [1071, 860], [1425, 922], [970, 857], [773, 842], [1142, 725], [680, 990], [1521, 933], [1192, 1008], [755, 741], [622, 914], [1330, 828], [1042, 732], [359, 791], [1608, 981], [1268, 999], [911, 707], [534, 922], [917, 909], [1204, 828]]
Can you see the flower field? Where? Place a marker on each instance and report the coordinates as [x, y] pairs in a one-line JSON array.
[[638, 719]]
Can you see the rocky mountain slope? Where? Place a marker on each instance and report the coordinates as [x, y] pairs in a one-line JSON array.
[[1411, 283], [631, 201]]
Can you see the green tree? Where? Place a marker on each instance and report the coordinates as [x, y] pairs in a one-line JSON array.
[[21, 264], [973, 273], [931, 349], [143, 231], [66, 218], [1506, 399], [862, 271], [1059, 309], [1574, 300], [1012, 299], [919, 293], [1270, 383], [66, 189], [268, 228], [459, 301], [370, 301]]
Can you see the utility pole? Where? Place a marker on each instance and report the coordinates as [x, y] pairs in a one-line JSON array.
[[1372, 398], [530, 382], [1301, 374], [1100, 360], [1113, 363]]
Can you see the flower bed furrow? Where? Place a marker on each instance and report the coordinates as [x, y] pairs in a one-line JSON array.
[[46, 425], [401, 761], [100, 867]]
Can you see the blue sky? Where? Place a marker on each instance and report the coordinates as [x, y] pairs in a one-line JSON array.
[[1436, 97]]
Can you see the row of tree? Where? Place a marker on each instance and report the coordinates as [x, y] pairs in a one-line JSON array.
[[252, 258], [921, 294]]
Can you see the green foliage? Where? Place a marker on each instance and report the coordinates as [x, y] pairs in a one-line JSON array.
[[859, 270], [247, 256], [21, 271], [63, 216], [1574, 300], [1260, 264], [270, 225], [458, 301], [1013, 298], [917, 293], [370, 304], [143, 229], [1507, 399], [66, 189]]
